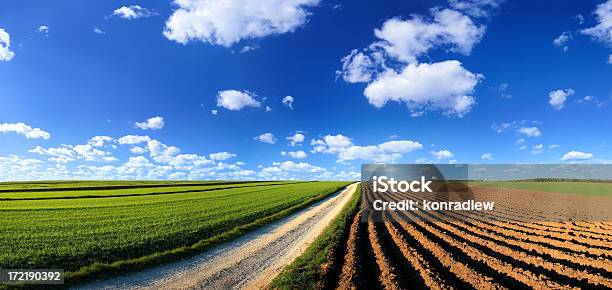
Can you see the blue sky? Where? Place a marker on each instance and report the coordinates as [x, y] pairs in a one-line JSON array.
[[474, 81]]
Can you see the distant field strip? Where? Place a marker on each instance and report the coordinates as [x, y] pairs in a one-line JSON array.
[[74, 234], [124, 190], [581, 188]]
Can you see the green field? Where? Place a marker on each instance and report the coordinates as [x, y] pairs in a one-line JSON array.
[[582, 188], [104, 229]]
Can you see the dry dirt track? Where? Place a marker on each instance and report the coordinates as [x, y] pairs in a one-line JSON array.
[[250, 261]]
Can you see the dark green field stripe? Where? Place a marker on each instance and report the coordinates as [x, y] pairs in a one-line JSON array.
[[156, 193], [114, 187]]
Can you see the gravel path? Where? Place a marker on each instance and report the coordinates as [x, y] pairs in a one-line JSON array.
[[248, 262]]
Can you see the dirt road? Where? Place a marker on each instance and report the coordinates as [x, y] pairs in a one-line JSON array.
[[249, 262]]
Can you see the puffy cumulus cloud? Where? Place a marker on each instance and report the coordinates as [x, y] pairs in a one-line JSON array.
[[132, 12], [44, 29], [557, 98], [154, 123], [576, 155], [58, 154], [138, 150], [25, 130], [418, 86], [295, 154], [562, 39], [234, 100], [5, 46], [603, 30], [347, 151], [133, 139], [537, 149], [331, 143], [221, 155], [68, 153], [293, 167], [100, 141], [486, 156], [228, 22], [288, 102], [476, 8], [408, 39], [442, 154], [357, 67], [296, 139], [266, 138], [529, 131], [391, 67], [13, 167]]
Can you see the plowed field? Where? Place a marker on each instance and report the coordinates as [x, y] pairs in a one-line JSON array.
[[471, 253]]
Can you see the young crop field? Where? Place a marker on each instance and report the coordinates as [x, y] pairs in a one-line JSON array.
[[481, 252], [96, 228]]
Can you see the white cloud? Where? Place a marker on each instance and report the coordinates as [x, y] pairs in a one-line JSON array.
[[138, 150], [390, 65], [214, 112], [356, 68], [266, 138], [418, 86], [296, 139], [382, 153], [5, 46], [553, 146], [154, 123], [523, 147], [537, 149], [557, 98], [486, 156], [133, 139], [295, 154], [59, 154], [44, 29], [476, 8], [442, 154], [603, 30], [529, 131], [610, 59], [13, 167], [520, 141], [235, 100], [132, 12], [562, 40], [221, 155], [69, 153], [288, 102], [98, 30], [228, 22], [590, 99], [25, 130], [408, 39], [293, 167], [99, 141], [268, 109], [331, 144], [576, 155]]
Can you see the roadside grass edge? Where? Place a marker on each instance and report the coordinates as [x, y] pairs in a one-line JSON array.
[[307, 271]]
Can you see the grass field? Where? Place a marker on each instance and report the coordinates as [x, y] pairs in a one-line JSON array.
[[123, 227], [582, 188]]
